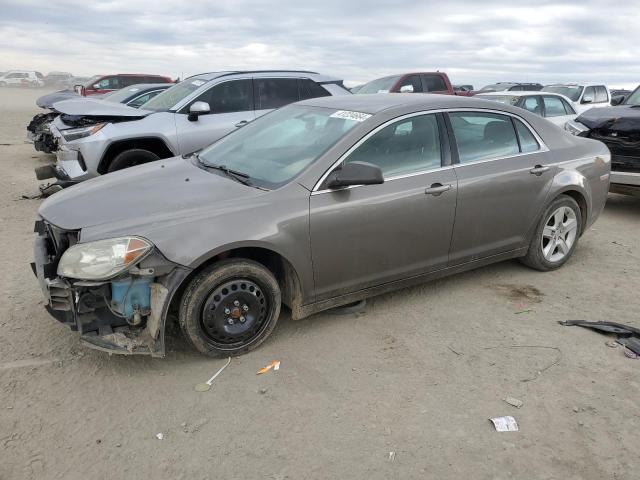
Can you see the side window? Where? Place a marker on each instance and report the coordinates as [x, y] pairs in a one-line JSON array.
[[136, 102], [568, 108], [517, 88], [275, 92], [528, 142], [232, 96], [411, 84], [589, 92], [406, 146], [553, 107], [434, 83], [310, 89], [601, 95], [109, 83], [483, 136], [533, 105]]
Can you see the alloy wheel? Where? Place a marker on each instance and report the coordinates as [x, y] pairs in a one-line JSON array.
[[559, 234]]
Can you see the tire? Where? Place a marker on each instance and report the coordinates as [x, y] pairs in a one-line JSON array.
[[214, 323], [556, 235], [131, 158]]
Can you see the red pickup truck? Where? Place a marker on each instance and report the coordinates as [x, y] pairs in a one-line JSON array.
[[415, 82], [108, 83]]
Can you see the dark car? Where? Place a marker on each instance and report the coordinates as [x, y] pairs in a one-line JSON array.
[[618, 127], [101, 84], [511, 87], [315, 205]]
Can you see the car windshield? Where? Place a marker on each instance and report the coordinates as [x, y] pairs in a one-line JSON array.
[[275, 148], [89, 83], [381, 85], [571, 91], [171, 96], [496, 87], [506, 99], [634, 98], [121, 95]]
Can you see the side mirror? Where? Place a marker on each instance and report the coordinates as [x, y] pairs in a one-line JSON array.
[[198, 108], [587, 100], [617, 100], [96, 86], [355, 173], [406, 89]]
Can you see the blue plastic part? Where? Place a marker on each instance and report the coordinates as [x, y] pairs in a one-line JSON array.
[[137, 293]]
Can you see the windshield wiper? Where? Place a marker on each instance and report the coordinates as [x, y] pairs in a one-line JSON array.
[[236, 175]]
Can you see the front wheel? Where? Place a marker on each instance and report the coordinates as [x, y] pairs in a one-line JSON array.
[[131, 158], [230, 307], [556, 235]]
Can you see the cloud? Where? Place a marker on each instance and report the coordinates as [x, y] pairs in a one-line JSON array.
[[359, 40]]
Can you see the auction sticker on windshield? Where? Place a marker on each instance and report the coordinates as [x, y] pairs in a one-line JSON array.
[[348, 115]]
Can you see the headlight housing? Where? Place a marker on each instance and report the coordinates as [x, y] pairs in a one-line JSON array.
[[76, 133], [103, 259], [576, 128]]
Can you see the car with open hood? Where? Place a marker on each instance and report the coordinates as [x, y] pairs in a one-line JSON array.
[[38, 130], [618, 127], [315, 205], [184, 118]]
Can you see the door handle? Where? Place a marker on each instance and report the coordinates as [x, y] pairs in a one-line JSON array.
[[539, 170], [437, 189], [242, 123]]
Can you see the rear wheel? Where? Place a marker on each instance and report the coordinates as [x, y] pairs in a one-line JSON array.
[[131, 158], [556, 235], [230, 307]]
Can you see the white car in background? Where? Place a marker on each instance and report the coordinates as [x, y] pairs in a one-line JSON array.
[[554, 107], [583, 97], [22, 78]]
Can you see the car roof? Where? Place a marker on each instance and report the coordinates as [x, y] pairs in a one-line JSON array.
[[375, 103], [148, 86], [521, 93], [577, 84], [317, 77]]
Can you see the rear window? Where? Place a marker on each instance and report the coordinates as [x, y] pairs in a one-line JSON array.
[[381, 85], [310, 89], [434, 83], [275, 92]]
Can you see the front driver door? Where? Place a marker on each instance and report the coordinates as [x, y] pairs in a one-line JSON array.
[[231, 105], [372, 234]]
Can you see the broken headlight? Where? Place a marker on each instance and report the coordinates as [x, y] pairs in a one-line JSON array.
[[76, 133], [576, 128], [103, 259]]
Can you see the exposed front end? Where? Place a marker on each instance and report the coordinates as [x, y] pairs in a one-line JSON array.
[[114, 292]]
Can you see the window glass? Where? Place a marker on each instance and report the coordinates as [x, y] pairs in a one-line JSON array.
[[407, 146], [109, 83], [517, 88], [434, 83], [411, 84], [274, 148], [528, 142], [275, 92], [553, 107], [532, 104], [601, 95], [380, 85], [589, 92], [568, 108], [482, 136], [173, 95], [136, 102], [310, 89], [226, 97], [571, 91]]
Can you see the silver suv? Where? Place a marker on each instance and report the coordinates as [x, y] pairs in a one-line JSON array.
[[96, 137]]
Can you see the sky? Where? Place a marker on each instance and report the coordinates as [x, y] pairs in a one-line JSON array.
[[356, 40]]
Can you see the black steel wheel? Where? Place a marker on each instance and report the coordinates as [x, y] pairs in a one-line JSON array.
[[230, 307]]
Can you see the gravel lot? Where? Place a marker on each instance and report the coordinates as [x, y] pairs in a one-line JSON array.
[[418, 374]]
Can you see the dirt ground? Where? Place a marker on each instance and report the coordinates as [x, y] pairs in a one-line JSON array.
[[403, 390]]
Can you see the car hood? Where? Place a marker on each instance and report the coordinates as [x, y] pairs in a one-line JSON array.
[[47, 101], [623, 118], [91, 107], [165, 190]]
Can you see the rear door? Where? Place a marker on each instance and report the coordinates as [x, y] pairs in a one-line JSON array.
[[372, 234], [503, 181], [231, 104], [272, 93]]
